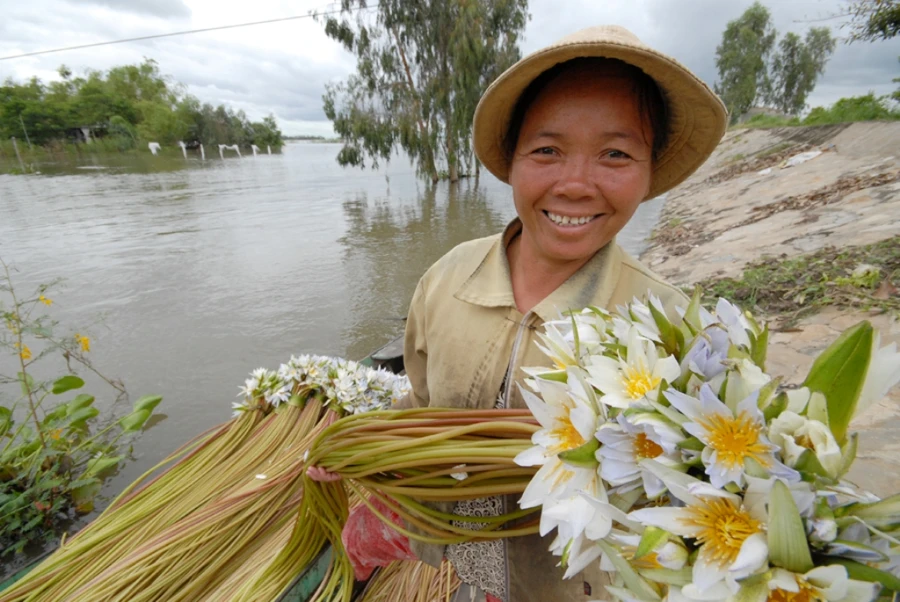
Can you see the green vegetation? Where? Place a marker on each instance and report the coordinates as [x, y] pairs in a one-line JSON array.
[[791, 288], [751, 68], [846, 110], [124, 108], [421, 68], [55, 449]]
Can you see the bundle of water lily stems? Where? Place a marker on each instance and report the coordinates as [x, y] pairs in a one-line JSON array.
[[232, 515]]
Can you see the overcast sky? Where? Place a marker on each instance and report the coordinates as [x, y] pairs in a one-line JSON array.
[[282, 68]]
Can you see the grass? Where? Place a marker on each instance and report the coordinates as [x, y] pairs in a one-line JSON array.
[[774, 150], [856, 108], [789, 289]]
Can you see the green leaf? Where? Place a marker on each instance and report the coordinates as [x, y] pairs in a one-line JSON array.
[[787, 536], [839, 373], [882, 514], [147, 402], [83, 497], [582, 456], [96, 466], [78, 419], [650, 540], [67, 383], [559, 376], [666, 330], [759, 346], [633, 581], [669, 576], [692, 443], [80, 401], [6, 420], [848, 454], [862, 572], [808, 464], [774, 409], [27, 383], [134, 421]]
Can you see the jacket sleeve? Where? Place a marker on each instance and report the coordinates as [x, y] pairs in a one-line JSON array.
[[415, 352]]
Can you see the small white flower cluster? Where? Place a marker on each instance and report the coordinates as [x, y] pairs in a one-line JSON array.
[[343, 384], [668, 453]]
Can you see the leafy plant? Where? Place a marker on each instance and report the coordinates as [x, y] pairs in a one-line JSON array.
[[55, 448]]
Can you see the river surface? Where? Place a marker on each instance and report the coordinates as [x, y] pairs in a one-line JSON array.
[[187, 274]]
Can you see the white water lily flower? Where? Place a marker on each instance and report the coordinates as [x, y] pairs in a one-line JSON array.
[[732, 318], [631, 439], [731, 438], [631, 381], [707, 354], [884, 373], [731, 539], [567, 423], [639, 316], [559, 348], [796, 434], [821, 584], [576, 553], [668, 555]]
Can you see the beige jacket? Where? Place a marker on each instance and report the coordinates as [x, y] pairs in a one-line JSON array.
[[464, 334]]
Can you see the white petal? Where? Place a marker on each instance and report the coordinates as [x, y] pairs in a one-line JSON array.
[[754, 554], [670, 519]]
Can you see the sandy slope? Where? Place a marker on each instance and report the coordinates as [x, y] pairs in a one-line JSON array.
[[728, 214]]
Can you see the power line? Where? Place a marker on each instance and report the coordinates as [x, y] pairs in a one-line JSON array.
[[168, 35]]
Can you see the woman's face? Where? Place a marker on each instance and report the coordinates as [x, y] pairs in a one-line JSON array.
[[581, 166]]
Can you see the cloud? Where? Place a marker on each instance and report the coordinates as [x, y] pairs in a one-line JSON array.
[[282, 68], [157, 8]]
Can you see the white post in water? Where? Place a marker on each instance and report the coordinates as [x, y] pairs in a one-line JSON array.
[[154, 147], [18, 156], [254, 148], [224, 147], [202, 153], [183, 148], [269, 148]]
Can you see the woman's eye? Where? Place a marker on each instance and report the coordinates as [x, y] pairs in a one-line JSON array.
[[617, 154], [544, 150]]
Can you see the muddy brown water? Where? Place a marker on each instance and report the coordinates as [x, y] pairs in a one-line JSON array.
[[189, 274]]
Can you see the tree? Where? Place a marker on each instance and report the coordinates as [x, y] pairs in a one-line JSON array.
[[742, 59], [796, 66], [421, 67], [872, 20]]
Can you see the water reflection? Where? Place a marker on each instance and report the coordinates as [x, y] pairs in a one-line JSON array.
[[391, 242]]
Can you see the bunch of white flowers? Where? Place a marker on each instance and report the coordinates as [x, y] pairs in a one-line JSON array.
[[670, 455], [342, 384]]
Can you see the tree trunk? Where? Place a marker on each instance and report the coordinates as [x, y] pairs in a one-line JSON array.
[[452, 161]]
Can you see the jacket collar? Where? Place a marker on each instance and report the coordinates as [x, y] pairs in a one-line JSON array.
[[490, 284]]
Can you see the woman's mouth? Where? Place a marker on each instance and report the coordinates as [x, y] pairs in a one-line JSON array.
[[567, 220]]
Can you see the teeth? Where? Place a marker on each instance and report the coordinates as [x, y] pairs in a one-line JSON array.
[[564, 220]]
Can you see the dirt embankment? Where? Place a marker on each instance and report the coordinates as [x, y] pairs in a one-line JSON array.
[[748, 203]]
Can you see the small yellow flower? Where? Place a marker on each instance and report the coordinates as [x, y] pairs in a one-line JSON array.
[[45, 300], [25, 353], [83, 341]]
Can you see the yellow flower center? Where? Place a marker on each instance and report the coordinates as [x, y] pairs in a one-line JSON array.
[[637, 381], [735, 439], [647, 561], [567, 435], [724, 528], [807, 593], [645, 447]]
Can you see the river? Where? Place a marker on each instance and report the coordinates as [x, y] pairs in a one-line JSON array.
[[187, 274]]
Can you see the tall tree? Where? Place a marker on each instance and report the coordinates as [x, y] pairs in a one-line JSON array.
[[742, 59], [796, 66], [421, 66], [872, 20]]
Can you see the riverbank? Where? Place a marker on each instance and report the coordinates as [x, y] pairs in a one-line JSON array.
[[756, 201]]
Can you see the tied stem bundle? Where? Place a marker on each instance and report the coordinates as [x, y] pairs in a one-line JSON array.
[[412, 582]]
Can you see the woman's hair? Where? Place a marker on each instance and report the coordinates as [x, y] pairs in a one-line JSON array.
[[651, 104]]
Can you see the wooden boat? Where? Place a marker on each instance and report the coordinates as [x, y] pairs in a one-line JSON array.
[[389, 357]]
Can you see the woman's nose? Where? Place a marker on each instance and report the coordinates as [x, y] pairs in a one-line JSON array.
[[575, 179]]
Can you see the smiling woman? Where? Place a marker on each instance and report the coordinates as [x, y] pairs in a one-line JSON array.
[[583, 131]]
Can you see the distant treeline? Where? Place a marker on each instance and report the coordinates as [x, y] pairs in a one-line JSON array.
[[129, 106]]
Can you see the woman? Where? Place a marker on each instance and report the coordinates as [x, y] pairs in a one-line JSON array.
[[583, 131]]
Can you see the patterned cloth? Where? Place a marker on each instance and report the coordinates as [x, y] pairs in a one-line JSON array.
[[481, 563]]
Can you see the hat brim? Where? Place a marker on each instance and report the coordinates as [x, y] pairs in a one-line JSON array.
[[697, 118]]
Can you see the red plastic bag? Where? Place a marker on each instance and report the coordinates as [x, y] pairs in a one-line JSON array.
[[370, 543]]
